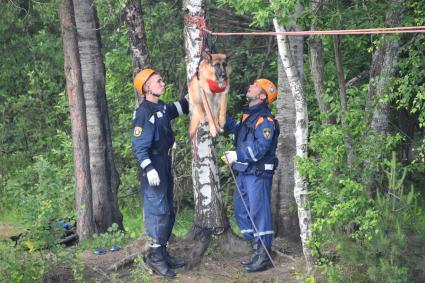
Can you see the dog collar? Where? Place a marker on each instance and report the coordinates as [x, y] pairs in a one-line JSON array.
[[215, 88]]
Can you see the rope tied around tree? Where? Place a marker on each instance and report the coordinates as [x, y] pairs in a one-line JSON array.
[[208, 231], [201, 24]]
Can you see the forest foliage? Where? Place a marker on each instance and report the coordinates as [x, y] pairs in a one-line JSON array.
[[357, 236]]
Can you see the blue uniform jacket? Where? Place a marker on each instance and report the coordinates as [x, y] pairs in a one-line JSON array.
[[255, 140], [152, 133]]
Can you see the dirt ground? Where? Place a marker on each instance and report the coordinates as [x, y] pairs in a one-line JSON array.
[[214, 267]]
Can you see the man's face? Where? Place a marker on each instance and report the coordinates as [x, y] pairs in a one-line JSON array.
[[254, 91], [155, 85]]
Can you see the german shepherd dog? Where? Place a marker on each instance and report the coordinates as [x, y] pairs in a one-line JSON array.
[[208, 93]]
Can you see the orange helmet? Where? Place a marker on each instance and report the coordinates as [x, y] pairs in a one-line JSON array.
[[141, 78], [269, 88]]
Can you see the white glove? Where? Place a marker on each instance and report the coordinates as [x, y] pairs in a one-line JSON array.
[[153, 178], [230, 156]]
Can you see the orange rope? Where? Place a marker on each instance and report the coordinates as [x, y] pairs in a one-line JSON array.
[[200, 23], [327, 32]]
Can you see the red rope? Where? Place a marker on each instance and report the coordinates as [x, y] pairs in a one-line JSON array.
[[200, 23], [417, 29]]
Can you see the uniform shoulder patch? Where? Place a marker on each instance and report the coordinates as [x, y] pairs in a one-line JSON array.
[[137, 131], [267, 133]]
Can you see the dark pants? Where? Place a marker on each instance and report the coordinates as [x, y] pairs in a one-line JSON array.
[[256, 193], [158, 207]]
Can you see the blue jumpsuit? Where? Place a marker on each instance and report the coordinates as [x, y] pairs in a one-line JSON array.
[[151, 141], [255, 141]]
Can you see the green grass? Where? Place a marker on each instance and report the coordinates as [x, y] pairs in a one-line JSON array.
[[184, 220], [133, 221], [9, 217]]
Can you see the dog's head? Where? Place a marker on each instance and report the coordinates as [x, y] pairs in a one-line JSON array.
[[216, 67]]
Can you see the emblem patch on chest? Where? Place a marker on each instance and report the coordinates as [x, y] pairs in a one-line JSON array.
[[267, 133], [137, 131]]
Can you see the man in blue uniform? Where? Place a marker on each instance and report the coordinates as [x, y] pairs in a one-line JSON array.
[[151, 143], [255, 161]]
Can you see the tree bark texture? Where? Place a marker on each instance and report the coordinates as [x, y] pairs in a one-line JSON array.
[[77, 109], [283, 201], [104, 176], [342, 96], [137, 40], [383, 62], [301, 135], [317, 65], [284, 206], [383, 68]]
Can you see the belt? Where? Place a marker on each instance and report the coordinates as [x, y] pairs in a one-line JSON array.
[[157, 152]]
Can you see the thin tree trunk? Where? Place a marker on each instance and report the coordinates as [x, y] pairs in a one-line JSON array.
[[137, 39], [383, 63], [266, 56], [77, 109], [342, 96], [317, 65], [301, 135], [105, 179]]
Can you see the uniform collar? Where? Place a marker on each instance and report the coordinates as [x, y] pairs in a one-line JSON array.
[[155, 106], [254, 109]]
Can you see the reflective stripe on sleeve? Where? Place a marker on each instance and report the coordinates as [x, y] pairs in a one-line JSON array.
[[251, 153], [179, 108], [145, 163]]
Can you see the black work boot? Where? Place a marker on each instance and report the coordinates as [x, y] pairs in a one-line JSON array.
[[156, 262], [254, 247], [172, 262], [260, 262]]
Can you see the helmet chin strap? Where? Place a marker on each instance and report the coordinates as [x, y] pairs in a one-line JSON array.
[[156, 95], [252, 98]]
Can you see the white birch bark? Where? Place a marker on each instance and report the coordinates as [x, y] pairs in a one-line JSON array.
[[209, 212], [301, 134], [283, 201]]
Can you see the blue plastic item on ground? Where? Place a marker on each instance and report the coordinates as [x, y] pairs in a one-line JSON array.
[[65, 225], [115, 248], [100, 251]]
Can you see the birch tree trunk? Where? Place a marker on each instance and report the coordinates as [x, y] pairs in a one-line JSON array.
[[317, 65], [104, 177], [137, 40], [77, 109], [283, 201], [210, 216], [383, 63], [301, 135]]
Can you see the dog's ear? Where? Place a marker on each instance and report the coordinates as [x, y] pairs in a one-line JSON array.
[[206, 55]]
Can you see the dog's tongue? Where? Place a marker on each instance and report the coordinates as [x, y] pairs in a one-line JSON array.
[[215, 88]]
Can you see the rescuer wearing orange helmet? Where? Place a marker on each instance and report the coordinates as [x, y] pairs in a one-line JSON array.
[[254, 160], [152, 140]]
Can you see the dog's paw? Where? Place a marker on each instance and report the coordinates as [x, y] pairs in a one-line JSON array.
[[213, 132]]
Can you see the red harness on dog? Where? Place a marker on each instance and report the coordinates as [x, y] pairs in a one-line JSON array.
[[215, 88]]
